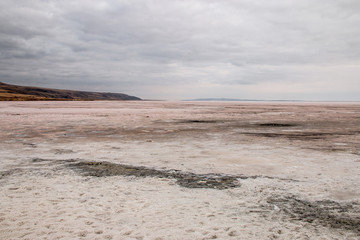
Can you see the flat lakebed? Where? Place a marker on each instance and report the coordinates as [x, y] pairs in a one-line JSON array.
[[179, 170]]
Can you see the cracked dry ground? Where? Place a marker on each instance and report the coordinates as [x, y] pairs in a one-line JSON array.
[[179, 170]]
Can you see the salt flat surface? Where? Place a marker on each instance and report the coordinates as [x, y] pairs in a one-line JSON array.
[[298, 166]]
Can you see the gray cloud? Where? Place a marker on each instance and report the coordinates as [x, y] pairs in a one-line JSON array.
[[145, 47]]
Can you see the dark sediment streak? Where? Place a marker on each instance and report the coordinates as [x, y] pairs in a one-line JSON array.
[[185, 179], [327, 213]]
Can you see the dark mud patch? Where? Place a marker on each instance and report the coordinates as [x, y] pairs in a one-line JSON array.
[[30, 145], [4, 174], [276, 125], [199, 121], [189, 121], [38, 160], [184, 179], [326, 213], [293, 136]]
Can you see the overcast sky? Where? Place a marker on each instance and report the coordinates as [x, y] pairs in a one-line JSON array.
[[184, 49]]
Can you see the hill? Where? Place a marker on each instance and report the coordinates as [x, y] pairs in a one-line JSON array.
[[10, 92]]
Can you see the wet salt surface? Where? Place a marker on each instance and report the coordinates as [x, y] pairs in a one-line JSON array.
[[46, 199]]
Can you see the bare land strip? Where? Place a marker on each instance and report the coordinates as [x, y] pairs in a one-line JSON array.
[[10, 92], [179, 170]]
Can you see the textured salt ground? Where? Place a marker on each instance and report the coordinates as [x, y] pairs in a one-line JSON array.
[[48, 200], [53, 203]]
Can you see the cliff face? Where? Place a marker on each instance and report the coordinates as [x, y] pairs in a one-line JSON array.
[[10, 92]]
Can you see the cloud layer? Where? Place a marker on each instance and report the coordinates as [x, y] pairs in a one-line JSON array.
[[185, 49]]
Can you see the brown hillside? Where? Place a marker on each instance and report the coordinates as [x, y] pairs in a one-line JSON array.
[[10, 92]]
